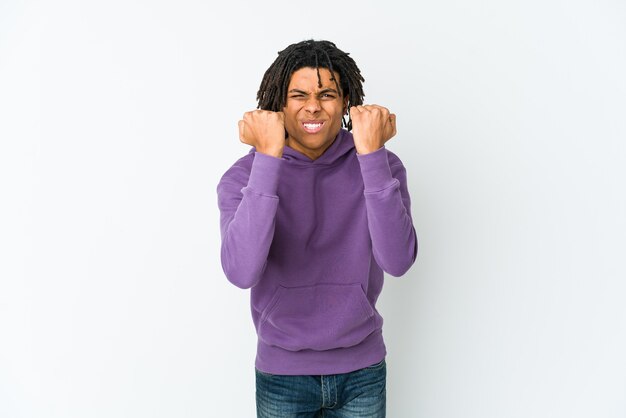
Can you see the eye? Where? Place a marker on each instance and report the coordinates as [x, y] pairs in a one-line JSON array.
[[327, 96]]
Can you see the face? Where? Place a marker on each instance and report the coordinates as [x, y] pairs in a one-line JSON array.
[[313, 114]]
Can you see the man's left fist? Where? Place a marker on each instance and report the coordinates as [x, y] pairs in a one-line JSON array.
[[372, 126]]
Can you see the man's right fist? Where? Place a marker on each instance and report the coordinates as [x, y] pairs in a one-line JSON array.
[[264, 130]]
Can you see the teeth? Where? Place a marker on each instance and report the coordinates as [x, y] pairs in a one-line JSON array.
[[312, 125]]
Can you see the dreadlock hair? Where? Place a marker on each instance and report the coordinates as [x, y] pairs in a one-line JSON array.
[[272, 94]]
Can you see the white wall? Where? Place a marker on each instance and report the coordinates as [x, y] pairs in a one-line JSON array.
[[117, 119]]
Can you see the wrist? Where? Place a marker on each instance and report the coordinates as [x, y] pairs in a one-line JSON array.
[[276, 152], [366, 150]]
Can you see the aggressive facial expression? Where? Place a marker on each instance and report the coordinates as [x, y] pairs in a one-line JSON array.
[[313, 114]]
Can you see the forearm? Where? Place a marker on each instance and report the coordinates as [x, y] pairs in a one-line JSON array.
[[248, 220], [387, 202]]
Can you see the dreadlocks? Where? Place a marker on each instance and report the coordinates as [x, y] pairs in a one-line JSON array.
[[272, 93]]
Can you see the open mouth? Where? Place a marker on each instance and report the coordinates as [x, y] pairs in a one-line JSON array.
[[312, 127]]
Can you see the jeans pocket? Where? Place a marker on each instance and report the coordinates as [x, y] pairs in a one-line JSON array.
[[263, 374], [376, 366]]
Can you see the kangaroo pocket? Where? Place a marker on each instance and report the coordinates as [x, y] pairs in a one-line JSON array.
[[319, 317]]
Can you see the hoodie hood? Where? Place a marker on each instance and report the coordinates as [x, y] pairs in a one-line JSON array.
[[342, 145]]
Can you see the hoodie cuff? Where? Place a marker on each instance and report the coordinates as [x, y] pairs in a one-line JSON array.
[[264, 174], [375, 170]]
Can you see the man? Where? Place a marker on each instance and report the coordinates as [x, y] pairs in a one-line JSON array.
[[310, 219]]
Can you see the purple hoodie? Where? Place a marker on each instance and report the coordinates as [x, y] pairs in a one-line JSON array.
[[311, 238]]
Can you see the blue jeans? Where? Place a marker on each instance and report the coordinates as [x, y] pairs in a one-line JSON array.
[[361, 393]]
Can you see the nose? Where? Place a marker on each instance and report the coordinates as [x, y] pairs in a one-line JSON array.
[[312, 105]]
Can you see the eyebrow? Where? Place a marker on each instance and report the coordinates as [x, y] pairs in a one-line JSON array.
[[320, 92]]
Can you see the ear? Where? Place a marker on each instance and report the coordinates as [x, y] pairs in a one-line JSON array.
[[346, 100]]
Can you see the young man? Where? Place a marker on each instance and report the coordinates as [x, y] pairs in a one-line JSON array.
[[311, 217]]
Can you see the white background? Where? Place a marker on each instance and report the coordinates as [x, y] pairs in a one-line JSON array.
[[117, 119]]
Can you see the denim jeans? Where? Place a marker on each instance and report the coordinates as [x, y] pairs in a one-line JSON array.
[[361, 393]]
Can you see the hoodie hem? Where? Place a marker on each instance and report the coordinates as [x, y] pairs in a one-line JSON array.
[[276, 360]]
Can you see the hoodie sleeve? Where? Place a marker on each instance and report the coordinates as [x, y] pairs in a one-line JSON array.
[[248, 202], [388, 208]]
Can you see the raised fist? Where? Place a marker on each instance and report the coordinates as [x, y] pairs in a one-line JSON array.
[[372, 126], [264, 130]]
